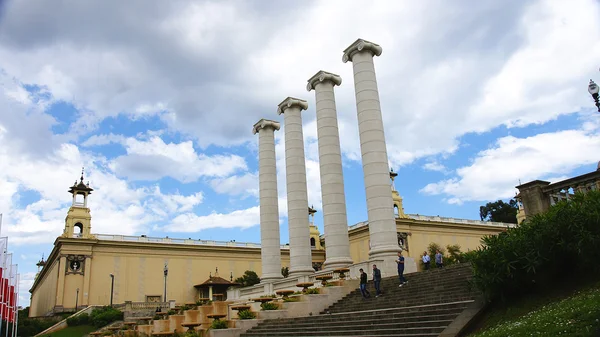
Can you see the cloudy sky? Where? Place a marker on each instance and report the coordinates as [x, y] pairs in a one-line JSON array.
[[156, 99]]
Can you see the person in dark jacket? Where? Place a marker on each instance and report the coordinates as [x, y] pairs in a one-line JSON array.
[[377, 280], [363, 284]]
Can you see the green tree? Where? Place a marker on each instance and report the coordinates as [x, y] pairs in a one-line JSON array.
[[249, 278], [285, 271], [499, 211]]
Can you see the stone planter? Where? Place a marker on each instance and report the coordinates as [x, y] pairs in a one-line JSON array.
[[245, 324], [224, 332], [272, 314]]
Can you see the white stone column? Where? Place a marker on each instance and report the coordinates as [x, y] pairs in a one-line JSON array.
[[335, 220], [297, 197], [270, 248], [380, 206]]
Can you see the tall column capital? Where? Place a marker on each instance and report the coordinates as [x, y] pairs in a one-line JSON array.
[[290, 102], [359, 46], [265, 123], [323, 76]]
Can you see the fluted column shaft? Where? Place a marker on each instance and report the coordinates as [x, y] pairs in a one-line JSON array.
[[335, 220], [270, 249], [297, 195], [382, 224]]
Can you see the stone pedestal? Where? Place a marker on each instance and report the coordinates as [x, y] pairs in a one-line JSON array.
[[335, 220], [382, 224], [297, 197], [269, 208]]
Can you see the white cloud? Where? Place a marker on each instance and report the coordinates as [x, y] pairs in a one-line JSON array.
[[434, 166], [190, 222], [244, 185], [496, 51], [495, 172], [153, 159]]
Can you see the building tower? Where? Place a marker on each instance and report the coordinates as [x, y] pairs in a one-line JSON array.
[[315, 235], [398, 207], [78, 220]]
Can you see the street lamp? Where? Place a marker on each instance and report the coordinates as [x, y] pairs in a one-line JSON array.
[[593, 90], [112, 286], [76, 300], [166, 270]]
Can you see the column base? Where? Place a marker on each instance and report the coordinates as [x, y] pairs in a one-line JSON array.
[[335, 263], [384, 252], [301, 271], [270, 278]]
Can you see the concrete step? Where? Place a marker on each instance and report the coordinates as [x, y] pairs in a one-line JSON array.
[[423, 307], [363, 331], [408, 303], [359, 324], [386, 301], [382, 316], [437, 311], [410, 289]]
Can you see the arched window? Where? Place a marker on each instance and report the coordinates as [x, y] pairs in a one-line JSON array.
[[313, 243], [76, 233]]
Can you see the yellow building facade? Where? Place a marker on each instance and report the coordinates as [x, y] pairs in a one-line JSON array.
[[85, 269]]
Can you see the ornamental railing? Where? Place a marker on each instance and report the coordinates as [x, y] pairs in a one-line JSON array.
[[190, 242]]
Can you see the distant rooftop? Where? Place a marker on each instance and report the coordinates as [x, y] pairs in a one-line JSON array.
[[213, 243], [444, 219]]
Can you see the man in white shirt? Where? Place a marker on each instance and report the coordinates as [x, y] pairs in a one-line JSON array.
[[426, 260]]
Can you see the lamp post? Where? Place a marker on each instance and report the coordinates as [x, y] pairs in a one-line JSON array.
[[76, 300], [112, 286], [593, 90], [166, 270]]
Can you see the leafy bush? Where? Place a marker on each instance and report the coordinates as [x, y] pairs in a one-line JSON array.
[[291, 299], [246, 314], [82, 319], [311, 291], [219, 324], [249, 278], [269, 306], [105, 315], [30, 326], [559, 243]]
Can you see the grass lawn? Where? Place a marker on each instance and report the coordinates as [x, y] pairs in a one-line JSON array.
[[73, 331], [555, 314]]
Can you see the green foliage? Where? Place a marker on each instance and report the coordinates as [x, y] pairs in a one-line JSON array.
[[80, 330], [499, 211], [574, 316], [219, 324], [453, 255], [246, 314], [285, 271], [559, 243], [82, 319], [30, 326], [249, 278], [269, 306], [310, 291], [172, 312], [291, 299], [105, 315]]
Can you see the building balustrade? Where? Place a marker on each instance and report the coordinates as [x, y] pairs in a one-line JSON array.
[[143, 238]]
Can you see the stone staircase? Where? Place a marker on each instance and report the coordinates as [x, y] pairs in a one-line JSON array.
[[424, 306]]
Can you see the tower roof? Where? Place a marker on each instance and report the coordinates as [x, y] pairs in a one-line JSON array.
[[80, 187]]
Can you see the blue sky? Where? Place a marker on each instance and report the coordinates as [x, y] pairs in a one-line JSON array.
[[158, 107]]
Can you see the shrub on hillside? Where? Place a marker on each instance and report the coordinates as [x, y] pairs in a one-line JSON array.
[[451, 254], [543, 249], [105, 315], [82, 319]]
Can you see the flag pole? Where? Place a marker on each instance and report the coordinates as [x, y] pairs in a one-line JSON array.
[[16, 306], [2, 284]]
